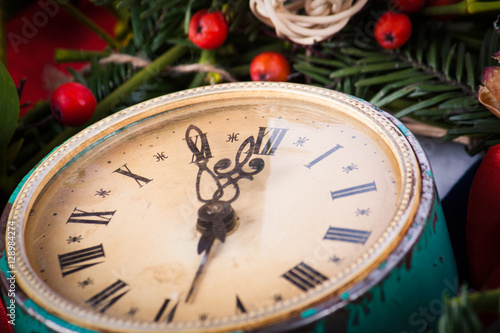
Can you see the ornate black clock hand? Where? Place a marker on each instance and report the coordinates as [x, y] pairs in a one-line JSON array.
[[230, 177], [216, 217]]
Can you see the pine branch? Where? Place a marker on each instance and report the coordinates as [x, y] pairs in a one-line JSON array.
[[464, 7], [434, 78], [459, 315], [91, 24]]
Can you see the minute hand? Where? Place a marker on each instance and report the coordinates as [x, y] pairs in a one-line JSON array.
[[230, 177]]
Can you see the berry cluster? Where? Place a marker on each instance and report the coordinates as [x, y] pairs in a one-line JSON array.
[[73, 104], [208, 31], [393, 28]]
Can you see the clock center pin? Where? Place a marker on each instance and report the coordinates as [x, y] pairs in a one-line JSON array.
[[211, 212]]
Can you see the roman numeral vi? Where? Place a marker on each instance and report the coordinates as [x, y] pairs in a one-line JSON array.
[[171, 313], [108, 296]]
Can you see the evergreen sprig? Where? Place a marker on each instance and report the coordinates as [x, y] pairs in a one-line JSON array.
[[150, 27], [434, 78], [459, 316]]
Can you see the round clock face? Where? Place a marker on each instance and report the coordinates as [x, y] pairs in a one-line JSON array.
[[321, 187]]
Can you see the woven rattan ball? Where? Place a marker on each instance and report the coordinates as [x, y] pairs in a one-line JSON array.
[[306, 22]]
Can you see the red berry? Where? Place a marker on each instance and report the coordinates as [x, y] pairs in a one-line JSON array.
[[435, 3], [208, 30], [407, 6], [72, 104], [269, 66], [392, 30]]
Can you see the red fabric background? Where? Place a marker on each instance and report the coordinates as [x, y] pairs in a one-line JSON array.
[[4, 320], [34, 33]]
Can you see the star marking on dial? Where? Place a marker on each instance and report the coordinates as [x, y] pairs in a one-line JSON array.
[[87, 282], [277, 297], [334, 258], [365, 211], [160, 157], [300, 141], [74, 239], [349, 168], [133, 310], [102, 193]]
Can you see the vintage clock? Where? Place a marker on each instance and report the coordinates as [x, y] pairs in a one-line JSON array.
[[231, 208]]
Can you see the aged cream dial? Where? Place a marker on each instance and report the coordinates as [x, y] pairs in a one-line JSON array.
[[108, 224]]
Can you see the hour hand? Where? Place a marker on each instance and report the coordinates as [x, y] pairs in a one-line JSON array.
[[215, 220], [208, 236], [200, 268], [206, 240]]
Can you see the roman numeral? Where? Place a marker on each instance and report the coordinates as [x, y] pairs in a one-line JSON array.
[[171, 313], [274, 137], [80, 216], [304, 277], [320, 158], [204, 152], [240, 308], [354, 190], [126, 172], [108, 296], [347, 235], [75, 261]]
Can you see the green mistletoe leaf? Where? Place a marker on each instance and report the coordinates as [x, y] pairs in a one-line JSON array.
[[9, 115]]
